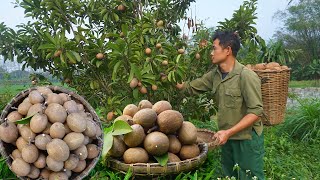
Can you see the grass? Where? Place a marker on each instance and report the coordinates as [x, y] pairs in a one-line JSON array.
[[304, 84]]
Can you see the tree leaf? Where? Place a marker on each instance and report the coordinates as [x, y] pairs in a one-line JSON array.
[[71, 57], [162, 160], [76, 55], [115, 70], [121, 127], [25, 120], [107, 144], [124, 28], [98, 64], [47, 46]]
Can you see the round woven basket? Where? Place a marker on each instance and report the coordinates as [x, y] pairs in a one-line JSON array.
[[274, 89], [155, 169], [6, 148], [206, 136]]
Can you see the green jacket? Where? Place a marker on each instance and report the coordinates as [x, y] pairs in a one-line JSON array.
[[237, 95]]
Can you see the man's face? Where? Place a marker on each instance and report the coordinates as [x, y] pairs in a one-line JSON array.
[[219, 54]]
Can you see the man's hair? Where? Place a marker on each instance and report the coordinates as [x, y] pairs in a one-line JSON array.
[[228, 38]]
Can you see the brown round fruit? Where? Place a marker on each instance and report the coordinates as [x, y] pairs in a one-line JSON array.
[[134, 83], [80, 166], [164, 63], [53, 164], [189, 151], [121, 7], [58, 150], [35, 97], [135, 137], [71, 106], [21, 143], [74, 140], [16, 154], [41, 161], [154, 87], [148, 51], [8, 132], [91, 129], [38, 123], [93, 151], [45, 173], [26, 133], [57, 130], [100, 56], [34, 172], [160, 23], [24, 107], [56, 113], [260, 66], [187, 134], [143, 90], [179, 86], [181, 51], [174, 144], [118, 147], [161, 106], [130, 110], [81, 152], [144, 104], [30, 153], [65, 97], [58, 176], [128, 119], [20, 167], [77, 122], [169, 121], [145, 117], [110, 116], [57, 53], [36, 108], [71, 162], [15, 116], [198, 56], [173, 158], [54, 98], [156, 143], [135, 155], [44, 90], [158, 45], [42, 140]]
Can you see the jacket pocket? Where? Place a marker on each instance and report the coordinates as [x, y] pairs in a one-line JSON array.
[[233, 98]]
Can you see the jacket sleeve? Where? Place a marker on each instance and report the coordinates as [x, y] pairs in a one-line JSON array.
[[199, 85], [251, 90]]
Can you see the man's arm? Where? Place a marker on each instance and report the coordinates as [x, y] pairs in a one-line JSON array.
[[251, 92], [198, 85]]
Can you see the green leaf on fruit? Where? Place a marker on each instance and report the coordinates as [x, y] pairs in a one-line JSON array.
[[25, 120], [107, 144], [121, 127], [162, 160]]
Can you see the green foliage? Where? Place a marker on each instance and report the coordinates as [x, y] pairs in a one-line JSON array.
[[303, 84], [162, 160], [303, 122]]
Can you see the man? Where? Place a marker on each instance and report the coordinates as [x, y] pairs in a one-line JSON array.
[[237, 91]]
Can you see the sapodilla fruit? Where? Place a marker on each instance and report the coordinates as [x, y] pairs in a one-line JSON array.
[[81, 152], [76, 122], [40, 162], [100, 56], [14, 116], [181, 51], [260, 66], [160, 23], [8, 132], [145, 117], [36, 108], [54, 98], [189, 151], [47, 130], [148, 51], [135, 137], [143, 90], [38, 123], [187, 134], [74, 140], [30, 153], [144, 104], [174, 144], [164, 63], [58, 175], [130, 110], [93, 151], [71, 106], [24, 107], [21, 143], [91, 128], [16, 154], [198, 56], [44, 90], [158, 45], [35, 97], [121, 7], [110, 116], [173, 158], [20, 167], [26, 133], [71, 162], [80, 166], [56, 113], [53, 164], [65, 97], [161, 106], [169, 121], [58, 150], [134, 83], [125, 118], [42, 140], [34, 172], [57, 130], [156, 143], [154, 87], [135, 155], [118, 147]]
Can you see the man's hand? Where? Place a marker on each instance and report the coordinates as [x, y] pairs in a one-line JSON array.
[[221, 137]]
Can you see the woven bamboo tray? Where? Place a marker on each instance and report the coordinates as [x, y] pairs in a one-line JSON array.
[[206, 136], [6, 149], [274, 89], [155, 169]]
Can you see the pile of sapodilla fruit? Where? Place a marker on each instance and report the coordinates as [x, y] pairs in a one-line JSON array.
[[271, 66], [58, 139], [156, 130]]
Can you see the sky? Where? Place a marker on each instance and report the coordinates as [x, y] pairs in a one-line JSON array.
[[211, 11]]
